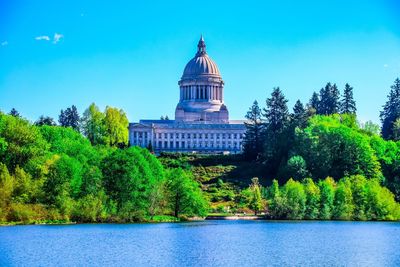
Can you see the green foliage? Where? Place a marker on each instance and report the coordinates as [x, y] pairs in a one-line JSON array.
[[296, 168], [255, 201], [332, 148], [253, 143], [185, 194], [116, 127], [313, 199], [22, 141], [93, 125], [391, 111]]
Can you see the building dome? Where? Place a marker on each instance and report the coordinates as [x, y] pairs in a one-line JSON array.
[[201, 65]]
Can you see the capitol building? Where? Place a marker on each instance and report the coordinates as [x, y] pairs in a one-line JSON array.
[[201, 122]]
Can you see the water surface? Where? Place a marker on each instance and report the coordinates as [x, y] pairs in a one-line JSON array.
[[207, 243]]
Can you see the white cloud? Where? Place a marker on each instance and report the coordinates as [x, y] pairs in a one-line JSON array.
[[385, 65], [4, 43], [57, 37], [43, 37]]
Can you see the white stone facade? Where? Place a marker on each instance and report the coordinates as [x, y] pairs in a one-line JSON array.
[[201, 122]]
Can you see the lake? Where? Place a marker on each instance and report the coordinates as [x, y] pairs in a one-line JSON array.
[[205, 243]]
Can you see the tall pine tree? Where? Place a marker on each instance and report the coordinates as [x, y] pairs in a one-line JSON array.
[[314, 102], [14, 113], [252, 143], [391, 110], [300, 115], [329, 100], [276, 112], [277, 131], [69, 118], [348, 105]]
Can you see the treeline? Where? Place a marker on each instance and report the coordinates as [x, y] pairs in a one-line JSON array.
[[53, 173], [324, 139], [351, 198]]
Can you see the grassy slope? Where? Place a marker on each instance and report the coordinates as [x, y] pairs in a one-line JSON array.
[[222, 176]]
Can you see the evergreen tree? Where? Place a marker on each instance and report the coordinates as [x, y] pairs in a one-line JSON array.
[[45, 121], [69, 118], [391, 110], [252, 139], [300, 115], [14, 113], [276, 112], [348, 105], [329, 100], [277, 135], [314, 102]]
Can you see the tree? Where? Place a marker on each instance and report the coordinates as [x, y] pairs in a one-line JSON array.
[[334, 146], [327, 189], [348, 105], [116, 127], [255, 199], [276, 201], [300, 115], [295, 200], [313, 198], [254, 127], [396, 130], [277, 135], [6, 190], [343, 202], [69, 118], [329, 100], [296, 168], [14, 113], [23, 142], [314, 102], [371, 128], [276, 112], [185, 194], [45, 121], [391, 110], [93, 125]]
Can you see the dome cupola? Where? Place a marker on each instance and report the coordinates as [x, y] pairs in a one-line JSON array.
[[201, 66], [201, 90]]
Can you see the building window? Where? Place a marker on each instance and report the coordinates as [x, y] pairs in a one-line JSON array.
[[183, 136], [183, 144], [188, 136], [159, 135], [176, 144], [134, 134], [177, 135], [223, 136], [165, 144], [171, 144], [194, 135], [145, 135], [218, 136], [235, 136], [165, 135], [159, 144], [171, 135], [206, 136]]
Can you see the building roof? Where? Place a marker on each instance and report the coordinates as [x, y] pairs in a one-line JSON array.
[[172, 124], [201, 65]]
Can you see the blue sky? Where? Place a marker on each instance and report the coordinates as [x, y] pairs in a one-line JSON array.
[[131, 54]]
